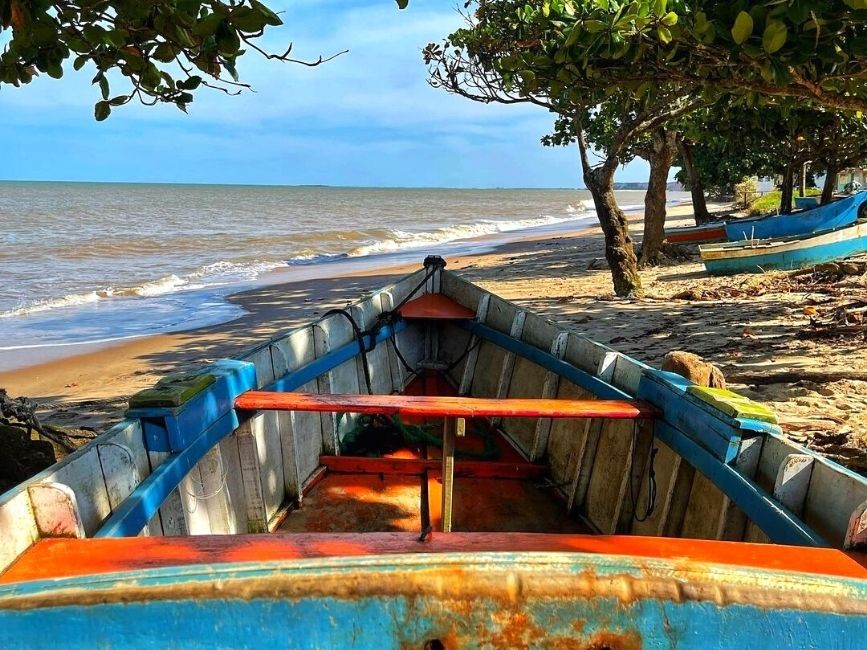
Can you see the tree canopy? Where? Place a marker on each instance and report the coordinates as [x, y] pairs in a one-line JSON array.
[[166, 49]]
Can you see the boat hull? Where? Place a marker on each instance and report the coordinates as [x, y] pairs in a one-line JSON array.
[[441, 601], [822, 218], [760, 256], [696, 234]]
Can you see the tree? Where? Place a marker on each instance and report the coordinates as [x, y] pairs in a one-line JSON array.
[[501, 59], [166, 49]]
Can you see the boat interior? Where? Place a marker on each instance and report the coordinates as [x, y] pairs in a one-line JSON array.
[[432, 416]]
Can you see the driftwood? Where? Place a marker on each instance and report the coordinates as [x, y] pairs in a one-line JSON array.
[[794, 376], [830, 332]]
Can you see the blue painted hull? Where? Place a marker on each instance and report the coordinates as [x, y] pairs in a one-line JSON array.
[[797, 254], [825, 217], [452, 601]]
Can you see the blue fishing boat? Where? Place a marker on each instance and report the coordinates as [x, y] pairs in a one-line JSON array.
[[836, 214], [436, 467], [813, 218], [757, 256]]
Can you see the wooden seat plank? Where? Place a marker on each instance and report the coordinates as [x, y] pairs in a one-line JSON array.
[[419, 466], [63, 558], [435, 306], [446, 406]]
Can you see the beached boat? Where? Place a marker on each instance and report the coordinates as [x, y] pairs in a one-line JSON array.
[[435, 467], [708, 232], [810, 220], [757, 256], [836, 214]]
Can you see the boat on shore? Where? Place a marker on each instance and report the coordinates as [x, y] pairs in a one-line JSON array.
[[836, 214], [760, 255], [436, 467]]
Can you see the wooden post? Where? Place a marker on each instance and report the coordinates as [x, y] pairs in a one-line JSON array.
[[449, 428]]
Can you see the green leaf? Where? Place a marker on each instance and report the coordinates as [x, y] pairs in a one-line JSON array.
[[664, 34], [743, 27], [775, 36], [669, 19], [102, 110]]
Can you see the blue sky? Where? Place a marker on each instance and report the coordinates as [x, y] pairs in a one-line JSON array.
[[366, 118]]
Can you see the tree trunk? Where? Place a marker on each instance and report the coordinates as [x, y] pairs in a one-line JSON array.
[[618, 245], [829, 186], [788, 186], [660, 155], [699, 205], [802, 186]]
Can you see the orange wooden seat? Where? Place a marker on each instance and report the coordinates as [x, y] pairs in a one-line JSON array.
[[64, 558], [435, 306], [446, 406]]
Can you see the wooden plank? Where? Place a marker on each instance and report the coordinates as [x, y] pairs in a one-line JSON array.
[[254, 500], [421, 466], [549, 391], [704, 513], [300, 433], [171, 513], [266, 428], [734, 521], [365, 314], [834, 494], [634, 481], [566, 439], [120, 475], [667, 466], [236, 503], [469, 370], [18, 528], [856, 533], [65, 558], [398, 372], [793, 481], [604, 369], [448, 473], [55, 510], [609, 476], [435, 306], [446, 405], [507, 370], [203, 493]]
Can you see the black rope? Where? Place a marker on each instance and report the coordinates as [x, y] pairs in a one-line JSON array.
[[651, 478], [359, 337]]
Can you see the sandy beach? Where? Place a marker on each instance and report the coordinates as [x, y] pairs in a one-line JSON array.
[[749, 325]]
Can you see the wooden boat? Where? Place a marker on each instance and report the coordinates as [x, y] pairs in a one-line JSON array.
[[708, 232], [541, 490], [836, 214], [757, 256], [810, 220]]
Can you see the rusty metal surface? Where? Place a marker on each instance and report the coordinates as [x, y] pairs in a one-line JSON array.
[[461, 600]]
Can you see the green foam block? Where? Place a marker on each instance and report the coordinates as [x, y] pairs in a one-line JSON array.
[[732, 404], [172, 390]]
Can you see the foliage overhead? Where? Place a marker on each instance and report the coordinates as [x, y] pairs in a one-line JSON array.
[[165, 48], [757, 51]]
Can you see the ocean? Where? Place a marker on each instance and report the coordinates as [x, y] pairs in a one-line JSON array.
[[92, 262]]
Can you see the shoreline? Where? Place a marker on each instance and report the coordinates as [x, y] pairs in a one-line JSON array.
[[748, 325]]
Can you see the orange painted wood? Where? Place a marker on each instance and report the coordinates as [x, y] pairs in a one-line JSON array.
[[418, 466], [446, 406], [63, 558], [435, 306], [703, 235]]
